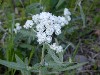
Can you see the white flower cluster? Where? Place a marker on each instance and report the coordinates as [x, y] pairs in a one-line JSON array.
[[18, 27], [57, 48], [28, 24], [47, 24], [67, 14]]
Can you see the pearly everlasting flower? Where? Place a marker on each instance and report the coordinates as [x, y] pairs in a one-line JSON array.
[[68, 18], [56, 48], [49, 31], [53, 46], [62, 21], [58, 31], [40, 27], [18, 27], [15, 30], [35, 18], [17, 24], [46, 24], [28, 24], [57, 26], [66, 12], [59, 49], [48, 39], [41, 37]]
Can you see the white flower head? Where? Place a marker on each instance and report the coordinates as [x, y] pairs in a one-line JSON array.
[[47, 24], [48, 39], [40, 27], [68, 18], [28, 24], [59, 49], [53, 46], [56, 48], [66, 12], [35, 18], [57, 31], [17, 24], [57, 26], [41, 37], [49, 31], [17, 28]]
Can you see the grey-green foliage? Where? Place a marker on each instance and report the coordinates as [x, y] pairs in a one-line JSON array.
[[25, 65], [13, 65], [82, 13], [27, 35], [34, 8], [25, 69], [54, 62], [18, 65]]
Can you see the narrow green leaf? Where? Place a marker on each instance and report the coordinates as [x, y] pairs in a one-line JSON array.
[[82, 13], [13, 65], [19, 60], [36, 67], [60, 56], [76, 50], [31, 55], [53, 55], [72, 67], [59, 3], [52, 64], [24, 72], [21, 3]]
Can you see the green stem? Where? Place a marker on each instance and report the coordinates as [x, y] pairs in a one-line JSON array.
[[31, 54], [42, 57], [82, 14]]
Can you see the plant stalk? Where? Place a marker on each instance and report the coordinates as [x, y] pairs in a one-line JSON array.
[[42, 58]]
